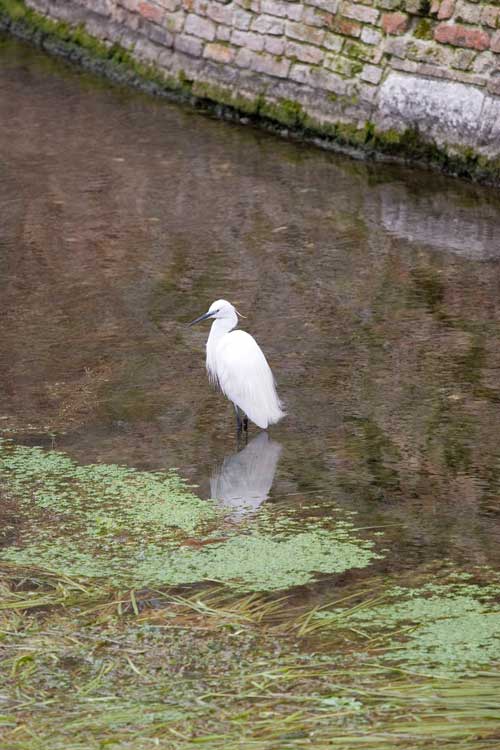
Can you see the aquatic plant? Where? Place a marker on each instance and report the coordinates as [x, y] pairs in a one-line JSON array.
[[148, 528]]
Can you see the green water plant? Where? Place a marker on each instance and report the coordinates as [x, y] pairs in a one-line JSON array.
[[149, 528]]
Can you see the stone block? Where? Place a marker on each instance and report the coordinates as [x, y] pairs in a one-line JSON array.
[[360, 12], [495, 43], [222, 53], [248, 39], [174, 22], [274, 8], [223, 33], [242, 19], [304, 52], [371, 73], [395, 23], [189, 45], [342, 65], [331, 6], [201, 27], [467, 12], [315, 17], [463, 59], [169, 5], [220, 13], [265, 24], [461, 36], [446, 9], [333, 42], [490, 16], [304, 33], [370, 36], [396, 47], [270, 65], [275, 45], [150, 12], [345, 26]]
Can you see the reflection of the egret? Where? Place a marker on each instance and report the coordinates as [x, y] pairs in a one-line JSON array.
[[243, 481]]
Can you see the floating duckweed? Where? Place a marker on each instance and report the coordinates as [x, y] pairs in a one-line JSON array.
[[450, 628], [147, 528]]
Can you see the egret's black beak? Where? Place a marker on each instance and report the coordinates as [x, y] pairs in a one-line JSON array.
[[202, 317]]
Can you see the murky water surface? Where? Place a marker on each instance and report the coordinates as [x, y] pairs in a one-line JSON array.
[[373, 290]]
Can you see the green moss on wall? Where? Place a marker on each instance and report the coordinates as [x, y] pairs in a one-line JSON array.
[[283, 116]]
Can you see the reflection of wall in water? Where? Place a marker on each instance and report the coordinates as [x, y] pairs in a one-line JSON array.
[[436, 219]]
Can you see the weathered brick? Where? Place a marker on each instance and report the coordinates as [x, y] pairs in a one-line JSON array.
[[371, 73], [490, 16], [274, 8], [248, 39], [467, 12], [342, 65], [331, 6], [242, 19], [270, 65], [174, 22], [220, 13], [244, 57], [446, 9], [268, 25], [305, 33], [151, 12], [486, 63], [360, 12], [222, 53], [395, 23], [461, 36], [202, 27], [495, 43], [333, 42], [304, 52], [315, 17], [429, 52], [359, 51], [370, 36], [345, 26], [190, 45], [388, 4], [396, 47], [317, 78], [407, 66], [294, 12], [463, 59], [223, 33], [169, 5], [275, 45]]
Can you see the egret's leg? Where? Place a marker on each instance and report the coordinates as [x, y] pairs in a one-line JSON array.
[[239, 423], [245, 423]]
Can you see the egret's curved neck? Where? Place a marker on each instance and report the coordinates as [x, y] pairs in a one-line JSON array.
[[219, 328]]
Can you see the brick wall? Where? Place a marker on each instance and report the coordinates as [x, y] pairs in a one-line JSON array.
[[344, 67]]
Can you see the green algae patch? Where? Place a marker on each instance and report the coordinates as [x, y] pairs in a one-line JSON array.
[[137, 528], [446, 628]]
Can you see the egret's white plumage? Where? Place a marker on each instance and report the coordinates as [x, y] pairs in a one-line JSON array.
[[236, 363]]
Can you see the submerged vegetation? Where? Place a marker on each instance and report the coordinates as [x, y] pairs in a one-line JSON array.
[[142, 528], [103, 643]]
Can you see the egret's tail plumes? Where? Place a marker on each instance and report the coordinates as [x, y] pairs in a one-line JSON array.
[[246, 379]]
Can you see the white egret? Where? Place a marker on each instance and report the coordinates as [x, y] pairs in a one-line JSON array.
[[236, 363]]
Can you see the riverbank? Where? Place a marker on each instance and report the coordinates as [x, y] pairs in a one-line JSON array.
[[131, 45]]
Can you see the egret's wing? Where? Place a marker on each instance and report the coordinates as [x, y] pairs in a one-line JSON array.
[[246, 378]]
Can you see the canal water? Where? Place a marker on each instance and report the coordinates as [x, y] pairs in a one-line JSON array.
[[374, 291]]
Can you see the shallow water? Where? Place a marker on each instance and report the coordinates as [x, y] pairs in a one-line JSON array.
[[373, 290]]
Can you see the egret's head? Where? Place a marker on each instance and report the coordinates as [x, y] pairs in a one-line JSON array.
[[218, 309]]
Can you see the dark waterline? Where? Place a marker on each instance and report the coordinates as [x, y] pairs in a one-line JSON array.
[[373, 290]]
